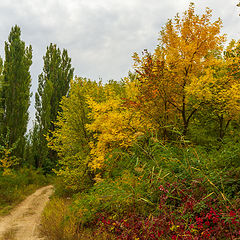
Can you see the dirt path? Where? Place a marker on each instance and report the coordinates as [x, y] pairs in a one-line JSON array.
[[22, 223]]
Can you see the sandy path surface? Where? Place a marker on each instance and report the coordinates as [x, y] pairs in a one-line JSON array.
[[23, 221]]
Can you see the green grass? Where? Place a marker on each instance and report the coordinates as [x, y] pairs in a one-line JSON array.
[[15, 187]]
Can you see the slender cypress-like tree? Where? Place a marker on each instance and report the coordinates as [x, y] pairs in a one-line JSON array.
[[1, 86], [53, 84], [16, 89]]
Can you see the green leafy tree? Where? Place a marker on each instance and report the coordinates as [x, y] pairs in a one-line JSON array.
[[1, 84], [16, 89], [71, 139], [53, 84]]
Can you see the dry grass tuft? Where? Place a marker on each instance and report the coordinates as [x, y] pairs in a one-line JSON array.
[[58, 222], [10, 234]]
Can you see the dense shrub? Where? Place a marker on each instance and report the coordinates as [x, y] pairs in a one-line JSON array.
[[157, 191], [183, 213]]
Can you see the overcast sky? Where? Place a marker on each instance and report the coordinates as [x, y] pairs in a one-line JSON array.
[[100, 35]]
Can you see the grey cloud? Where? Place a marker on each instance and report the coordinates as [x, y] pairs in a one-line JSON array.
[[100, 35]]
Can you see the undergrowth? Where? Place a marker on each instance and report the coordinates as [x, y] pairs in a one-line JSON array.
[[17, 185], [158, 191]]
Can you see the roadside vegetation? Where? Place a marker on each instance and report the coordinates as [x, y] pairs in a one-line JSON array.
[[18, 184]]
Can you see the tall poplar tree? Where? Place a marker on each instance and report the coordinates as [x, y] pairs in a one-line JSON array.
[[1, 86], [16, 89], [53, 84]]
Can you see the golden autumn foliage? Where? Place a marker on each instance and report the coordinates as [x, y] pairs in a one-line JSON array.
[[218, 90], [232, 56], [187, 45], [113, 124], [94, 121], [154, 90], [7, 161]]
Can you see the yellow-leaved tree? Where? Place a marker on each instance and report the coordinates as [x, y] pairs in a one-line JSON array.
[[187, 45], [154, 90], [70, 139], [114, 124], [7, 159], [217, 90]]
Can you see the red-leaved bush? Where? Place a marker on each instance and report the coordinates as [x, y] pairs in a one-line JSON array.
[[184, 212]]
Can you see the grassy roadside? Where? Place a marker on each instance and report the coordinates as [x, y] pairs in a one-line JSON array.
[[16, 187], [173, 193], [60, 222]]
